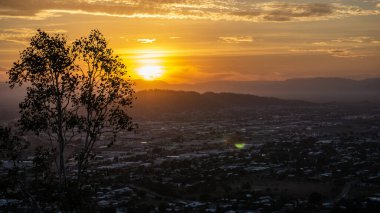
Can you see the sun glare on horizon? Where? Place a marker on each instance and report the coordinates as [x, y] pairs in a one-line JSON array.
[[150, 65], [150, 72]]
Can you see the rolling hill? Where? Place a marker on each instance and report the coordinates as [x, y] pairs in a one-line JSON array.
[[309, 89], [161, 97]]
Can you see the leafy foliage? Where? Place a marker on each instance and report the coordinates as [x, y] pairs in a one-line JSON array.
[[11, 146], [47, 65], [12, 181], [105, 92], [75, 93]]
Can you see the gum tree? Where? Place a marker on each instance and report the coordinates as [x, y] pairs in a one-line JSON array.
[[75, 93], [47, 67], [104, 93]]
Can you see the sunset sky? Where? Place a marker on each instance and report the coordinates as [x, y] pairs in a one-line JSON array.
[[188, 41]]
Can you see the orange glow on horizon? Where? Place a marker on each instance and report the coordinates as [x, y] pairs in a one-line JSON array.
[[149, 64], [150, 72]]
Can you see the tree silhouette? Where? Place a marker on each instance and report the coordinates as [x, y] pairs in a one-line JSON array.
[[12, 181], [105, 93], [11, 146], [74, 92], [47, 65]]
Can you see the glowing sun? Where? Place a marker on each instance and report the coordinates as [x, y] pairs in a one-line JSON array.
[[150, 72]]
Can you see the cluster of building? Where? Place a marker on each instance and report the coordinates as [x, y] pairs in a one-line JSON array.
[[317, 158], [272, 160]]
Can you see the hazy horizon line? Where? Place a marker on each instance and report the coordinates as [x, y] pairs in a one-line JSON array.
[[224, 80]]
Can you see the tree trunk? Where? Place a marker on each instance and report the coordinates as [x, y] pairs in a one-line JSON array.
[[62, 170], [79, 175], [61, 139]]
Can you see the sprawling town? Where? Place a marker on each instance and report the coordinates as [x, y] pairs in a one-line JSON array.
[[320, 158]]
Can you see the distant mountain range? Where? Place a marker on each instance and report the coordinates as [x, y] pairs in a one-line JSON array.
[[156, 103], [155, 97], [309, 89], [153, 103]]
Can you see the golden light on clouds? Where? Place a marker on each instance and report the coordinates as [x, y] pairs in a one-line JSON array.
[[146, 40], [186, 41], [149, 64], [242, 10]]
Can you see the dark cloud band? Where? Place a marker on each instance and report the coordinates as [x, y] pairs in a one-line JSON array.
[[251, 11]]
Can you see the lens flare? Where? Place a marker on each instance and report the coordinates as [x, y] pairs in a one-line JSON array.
[[240, 145]]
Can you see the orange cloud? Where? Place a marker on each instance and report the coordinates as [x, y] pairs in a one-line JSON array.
[[244, 10], [21, 35], [236, 39], [146, 40]]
